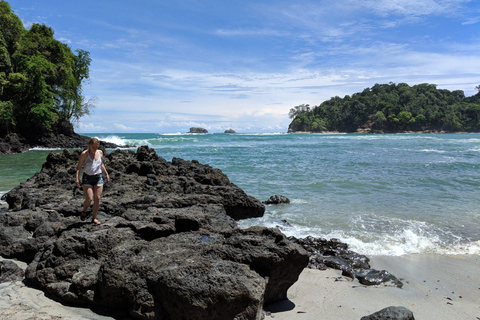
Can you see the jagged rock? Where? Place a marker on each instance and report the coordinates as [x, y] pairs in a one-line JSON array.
[[334, 254], [375, 277], [168, 246], [9, 271], [391, 313], [277, 199], [13, 143], [198, 130]]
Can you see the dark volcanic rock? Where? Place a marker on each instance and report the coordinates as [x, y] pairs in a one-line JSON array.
[[391, 313], [12, 143], [229, 131], [335, 254], [277, 199], [9, 271], [168, 246], [375, 277], [198, 130], [15, 143]]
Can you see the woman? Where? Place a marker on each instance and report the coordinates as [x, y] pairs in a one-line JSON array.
[[92, 180]]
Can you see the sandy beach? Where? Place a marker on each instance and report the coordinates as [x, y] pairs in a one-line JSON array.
[[20, 302], [435, 287]]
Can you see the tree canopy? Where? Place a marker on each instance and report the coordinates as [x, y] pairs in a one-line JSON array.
[[392, 108], [40, 78]]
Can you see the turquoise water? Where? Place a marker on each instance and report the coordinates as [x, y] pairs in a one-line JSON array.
[[383, 194]]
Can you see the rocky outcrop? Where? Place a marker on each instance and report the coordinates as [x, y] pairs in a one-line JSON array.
[[198, 130], [168, 246], [391, 313], [15, 143], [335, 254], [229, 131]]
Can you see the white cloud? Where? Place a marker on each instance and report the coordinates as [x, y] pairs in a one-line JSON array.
[[411, 7], [89, 127], [472, 20], [123, 127], [251, 32]]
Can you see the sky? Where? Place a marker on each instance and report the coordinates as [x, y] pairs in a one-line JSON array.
[[162, 66]]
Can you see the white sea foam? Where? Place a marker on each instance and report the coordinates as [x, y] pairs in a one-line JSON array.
[[415, 237], [299, 201], [44, 149], [433, 150], [113, 139], [1, 195], [263, 134]]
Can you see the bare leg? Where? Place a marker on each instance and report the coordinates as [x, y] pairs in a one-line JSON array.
[[97, 194], [88, 193]]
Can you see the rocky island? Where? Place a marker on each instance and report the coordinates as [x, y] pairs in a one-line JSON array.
[[198, 130], [391, 108]]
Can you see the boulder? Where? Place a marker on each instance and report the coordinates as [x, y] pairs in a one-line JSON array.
[[277, 199], [168, 246], [10, 271], [391, 313]]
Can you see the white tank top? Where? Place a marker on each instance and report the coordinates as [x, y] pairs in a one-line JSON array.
[[92, 166]]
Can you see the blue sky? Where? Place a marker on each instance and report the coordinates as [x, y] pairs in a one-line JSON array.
[[165, 66]]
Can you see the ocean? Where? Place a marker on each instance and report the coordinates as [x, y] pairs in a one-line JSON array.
[[383, 194]]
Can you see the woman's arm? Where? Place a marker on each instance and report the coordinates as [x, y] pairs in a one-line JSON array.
[[104, 170], [81, 160]]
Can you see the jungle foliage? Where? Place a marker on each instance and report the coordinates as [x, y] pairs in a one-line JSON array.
[[40, 78], [392, 108]]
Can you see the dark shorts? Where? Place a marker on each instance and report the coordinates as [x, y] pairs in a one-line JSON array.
[[95, 180]]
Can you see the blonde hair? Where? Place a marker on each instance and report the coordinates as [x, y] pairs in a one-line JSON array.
[[93, 141]]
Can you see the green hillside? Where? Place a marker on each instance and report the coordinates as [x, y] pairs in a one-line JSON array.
[[392, 108]]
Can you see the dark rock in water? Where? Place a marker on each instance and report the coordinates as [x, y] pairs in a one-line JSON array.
[[168, 246], [9, 271], [198, 130], [336, 255], [229, 131], [391, 313], [277, 199]]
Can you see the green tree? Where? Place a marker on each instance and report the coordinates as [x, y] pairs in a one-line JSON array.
[[379, 119], [40, 78], [404, 118], [299, 110]]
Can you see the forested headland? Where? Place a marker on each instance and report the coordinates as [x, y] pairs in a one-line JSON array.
[[40, 79], [392, 108]]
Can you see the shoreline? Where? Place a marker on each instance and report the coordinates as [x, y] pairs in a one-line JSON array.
[[382, 132], [435, 287]]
